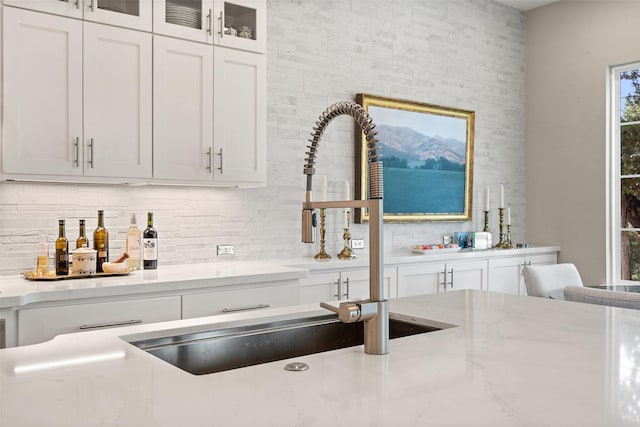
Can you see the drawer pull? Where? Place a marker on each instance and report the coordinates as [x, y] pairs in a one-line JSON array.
[[251, 307], [110, 325]]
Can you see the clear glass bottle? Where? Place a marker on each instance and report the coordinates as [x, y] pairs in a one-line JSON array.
[[101, 242], [150, 245], [82, 236], [133, 244], [62, 251]]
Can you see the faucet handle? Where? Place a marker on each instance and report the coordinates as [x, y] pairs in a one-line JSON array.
[[348, 312]]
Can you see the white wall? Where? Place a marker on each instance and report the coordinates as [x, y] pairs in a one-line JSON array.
[[463, 54], [570, 45]]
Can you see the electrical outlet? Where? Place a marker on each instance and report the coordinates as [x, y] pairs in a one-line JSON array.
[[357, 244], [226, 250]]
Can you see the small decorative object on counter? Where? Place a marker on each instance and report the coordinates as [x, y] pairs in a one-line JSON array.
[[133, 244], [101, 242], [82, 239], [150, 245], [84, 261], [42, 266], [62, 251], [481, 240]]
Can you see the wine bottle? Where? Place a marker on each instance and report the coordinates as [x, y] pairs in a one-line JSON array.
[[133, 244], [62, 251], [101, 242], [82, 237], [150, 245]]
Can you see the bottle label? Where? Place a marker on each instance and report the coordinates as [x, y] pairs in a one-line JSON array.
[[150, 249], [133, 247]]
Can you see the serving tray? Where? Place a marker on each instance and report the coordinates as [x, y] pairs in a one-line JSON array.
[[33, 275]]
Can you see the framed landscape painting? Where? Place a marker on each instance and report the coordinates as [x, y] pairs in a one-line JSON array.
[[427, 157]]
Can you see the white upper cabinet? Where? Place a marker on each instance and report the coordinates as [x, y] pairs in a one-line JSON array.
[[134, 91], [42, 99], [239, 117], [136, 14], [71, 8], [185, 19], [117, 102], [241, 24], [183, 109]]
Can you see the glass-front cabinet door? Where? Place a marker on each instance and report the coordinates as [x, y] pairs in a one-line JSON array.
[[134, 14], [185, 19], [241, 24], [71, 8]]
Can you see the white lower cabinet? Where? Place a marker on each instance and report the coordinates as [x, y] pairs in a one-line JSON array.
[[344, 285], [238, 300], [42, 324], [435, 277], [505, 274]]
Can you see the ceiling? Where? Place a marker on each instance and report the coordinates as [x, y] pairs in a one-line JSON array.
[[525, 5]]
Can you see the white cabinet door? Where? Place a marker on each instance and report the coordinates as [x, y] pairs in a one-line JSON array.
[[134, 14], [184, 19], [239, 117], [117, 102], [41, 324], [355, 284], [318, 287], [505, 274], [420, 279], [466, 275], [239, 300], [241, 24], [42, 99], [71, 8], [183, 110]]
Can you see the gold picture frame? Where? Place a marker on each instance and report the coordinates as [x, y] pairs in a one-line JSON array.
[[427, 157]]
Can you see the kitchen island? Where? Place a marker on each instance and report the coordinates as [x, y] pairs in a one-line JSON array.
[[500, 360]]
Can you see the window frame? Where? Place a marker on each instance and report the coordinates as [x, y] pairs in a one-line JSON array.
[[614, 176]]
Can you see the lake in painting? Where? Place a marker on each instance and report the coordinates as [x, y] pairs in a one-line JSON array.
[[423, 191]]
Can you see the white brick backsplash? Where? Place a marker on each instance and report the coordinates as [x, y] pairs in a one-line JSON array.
[[466, 54]]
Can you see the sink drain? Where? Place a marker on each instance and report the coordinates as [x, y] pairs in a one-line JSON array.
[[296, 366]]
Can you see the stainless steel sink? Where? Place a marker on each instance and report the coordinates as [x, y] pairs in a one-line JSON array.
[[237, 347]]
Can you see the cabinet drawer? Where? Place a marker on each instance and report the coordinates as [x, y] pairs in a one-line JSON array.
[[237, 300], [41, 324]]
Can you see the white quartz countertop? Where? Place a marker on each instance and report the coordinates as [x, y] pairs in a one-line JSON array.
[[510, 361], [17, 291]]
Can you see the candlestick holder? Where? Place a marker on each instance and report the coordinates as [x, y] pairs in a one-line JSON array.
[[507, 244], [501, 243], [486, 221], [346, 252], [322, 255]]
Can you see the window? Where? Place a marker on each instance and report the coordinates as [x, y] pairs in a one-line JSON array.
[[624, 236]]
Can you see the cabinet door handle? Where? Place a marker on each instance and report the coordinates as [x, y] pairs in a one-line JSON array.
[[76, 145], [91, 147], [210, 160], [338, 284], [347, 287], [92, 6], [220, 168], [444, 281], [451, 278], [247, 308], [209, 23], [221, 24], [110, 324]]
